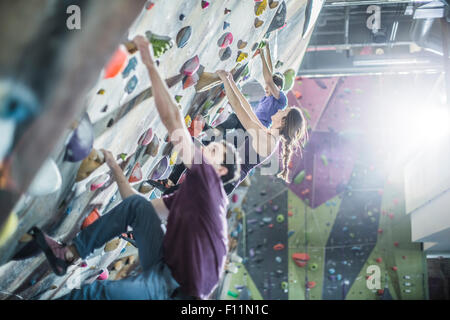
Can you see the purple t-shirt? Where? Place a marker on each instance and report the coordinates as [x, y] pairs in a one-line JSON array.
[[268, 106], [196, 242]]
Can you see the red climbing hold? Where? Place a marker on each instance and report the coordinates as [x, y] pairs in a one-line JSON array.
[[367, 277], [278, 247], [311, 284], [205, 4], [394, 268], [290, 214], [190, 81], [300, 259], [136, 174], [197, 126], [395, 201], [190, 67], [380, 292], [115, 64], [234, 198], [149, 5], [298, 78], [380, 231], [379, 260], [404, 257], [146, 137], [270, 225], [396, 243], [391, 216], [225, 40], [291, 164]]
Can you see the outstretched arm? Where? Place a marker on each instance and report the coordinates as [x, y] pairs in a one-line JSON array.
[[166, 106], [268, 73], [125, 188], [259, 133]]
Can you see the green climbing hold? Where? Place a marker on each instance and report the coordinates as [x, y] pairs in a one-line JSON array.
[[313, 267], [324, 160], [289, 76], [306, 113], [299, 178], [123, 156], [233, 294], [178, 98], [284, 285], [280, 218], [262, 44]]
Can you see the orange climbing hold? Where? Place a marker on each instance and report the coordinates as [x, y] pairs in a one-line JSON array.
[[308, 177], [90, 219], [278, 247], [298, 94], [300, 259], [149, 5], [197, 126], [290, 214], [116, 64], [136, 174], [311, 284]]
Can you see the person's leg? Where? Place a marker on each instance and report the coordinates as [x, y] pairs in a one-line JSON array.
[[134, 211], [177, 171], [155, 283]]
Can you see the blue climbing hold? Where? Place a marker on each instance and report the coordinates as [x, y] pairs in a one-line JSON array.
[[131, 85], [130, 67], [339, 277], [290, 233], [331, 271], [344, 229], [225, 25], [123, 250]]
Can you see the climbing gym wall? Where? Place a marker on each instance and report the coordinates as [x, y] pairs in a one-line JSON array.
[[344, 210]]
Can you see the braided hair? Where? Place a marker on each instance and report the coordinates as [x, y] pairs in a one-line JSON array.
[[294, 134]]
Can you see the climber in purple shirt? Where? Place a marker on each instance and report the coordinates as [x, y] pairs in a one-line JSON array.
[[188, 260]]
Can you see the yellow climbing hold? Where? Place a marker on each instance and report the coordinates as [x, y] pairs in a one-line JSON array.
[[173, 158], [8, 228], [260, 7], [188, 121], [242, 56], [112, 245]]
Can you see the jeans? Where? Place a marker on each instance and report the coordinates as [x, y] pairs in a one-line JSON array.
[[156, 281]]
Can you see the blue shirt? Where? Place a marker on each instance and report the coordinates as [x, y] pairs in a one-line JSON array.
[[268, 106]]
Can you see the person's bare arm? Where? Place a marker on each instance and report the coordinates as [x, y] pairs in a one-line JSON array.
[[166, 106], [268, 73], [160, 208], [125, 188], [259, 133]]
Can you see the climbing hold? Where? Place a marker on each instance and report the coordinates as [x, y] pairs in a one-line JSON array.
[[311, 284], [181, 17], [380, 292], [324, 160], [233, 294], [225, 25], [280, 218], [130, 67], [273, 4], [278, 247], [173, 158], [396, 243], [290, 213], [225, 40], [112, 245], [160, 169], [146, 137], [379, 260], [115, 64], [394, 268], [178, 98], [331, 271], [145, 188], [104, 275], [279, 19], [241, 44], [205, 4], [47, 180], [110, 123], [297, 94], [136, 174], [289, 76], [391, 216], [90, 219], [279, 64], [8, 228], [258, 23], [118, 265], [234, 198], [339, 277], [183, 36], [241, 56], [290, 233], [101, 92], [99, 182], [83, 264], [81, 141], [226, 11], [225, 54], [275, 208], [267, 219], [380, 231], [260, 7], [131, 85], [149, 5], [190, 81], [190, 66], [299, 178]]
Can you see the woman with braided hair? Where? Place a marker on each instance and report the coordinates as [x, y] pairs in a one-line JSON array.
[[288, 127]]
